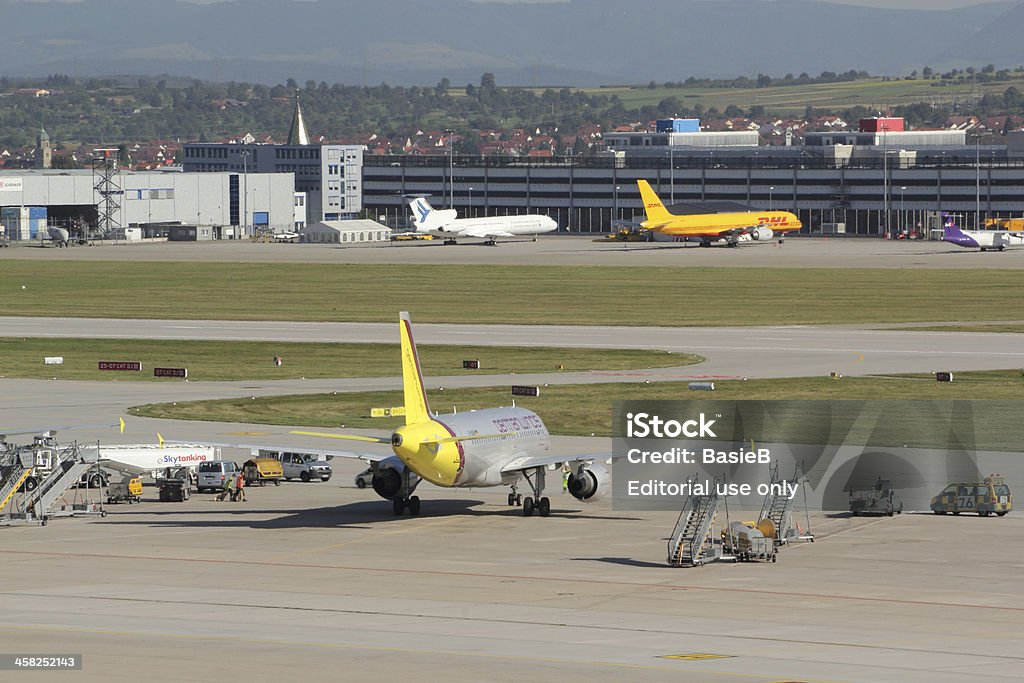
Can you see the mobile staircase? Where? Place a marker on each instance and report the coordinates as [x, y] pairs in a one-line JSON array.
[[38, 506], [692, 542], [15, 466], [778, 508]]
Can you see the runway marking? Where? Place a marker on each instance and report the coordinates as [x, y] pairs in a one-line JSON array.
[[383, 648], [860, 358], [696, 655], [520, 577]]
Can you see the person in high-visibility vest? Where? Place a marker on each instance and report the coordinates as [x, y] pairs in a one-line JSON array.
[[229, 485], [240, 487]]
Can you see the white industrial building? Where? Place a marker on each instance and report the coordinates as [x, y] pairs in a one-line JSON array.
[[224, 205], [346, 232]]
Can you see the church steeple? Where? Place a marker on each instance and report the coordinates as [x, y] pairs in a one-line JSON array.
[[297, 135], [44, 156]]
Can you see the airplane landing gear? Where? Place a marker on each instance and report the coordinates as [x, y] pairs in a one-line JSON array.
[[405, 500], [449, 241], [542, 505]]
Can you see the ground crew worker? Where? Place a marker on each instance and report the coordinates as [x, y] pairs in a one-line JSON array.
[[240, 487], [566, 471], [229, 484]]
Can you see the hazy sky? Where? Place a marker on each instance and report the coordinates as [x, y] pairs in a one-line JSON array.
[[891, 4]]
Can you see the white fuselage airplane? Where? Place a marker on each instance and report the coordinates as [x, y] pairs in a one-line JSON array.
[[447, 224], [489, 447], [996, 240]]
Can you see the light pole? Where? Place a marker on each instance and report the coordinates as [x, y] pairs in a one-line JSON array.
[[469, 208], [903, 211], [770, 190], [885, 182], [451, 168], [245, 190], [977, 182], [615, 209], [671, 170]]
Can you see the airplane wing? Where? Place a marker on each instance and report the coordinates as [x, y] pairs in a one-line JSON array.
[[296, 448], [526, 462]]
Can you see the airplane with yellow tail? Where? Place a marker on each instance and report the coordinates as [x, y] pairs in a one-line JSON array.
[[713, 227], [487, 447]]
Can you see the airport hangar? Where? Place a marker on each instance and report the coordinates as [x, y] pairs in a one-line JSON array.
[[866, 182], [213, 203]]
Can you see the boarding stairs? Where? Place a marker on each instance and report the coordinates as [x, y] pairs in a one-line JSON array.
[[692, 542], [778, 508], [71, 464], [15, 466]]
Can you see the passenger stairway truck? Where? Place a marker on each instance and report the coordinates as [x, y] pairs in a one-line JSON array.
[[778, 507], [692, 542], [15, 466], [37, 505]]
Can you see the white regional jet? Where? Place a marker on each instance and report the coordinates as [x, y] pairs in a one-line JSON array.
[[447, 224], [488, 447]]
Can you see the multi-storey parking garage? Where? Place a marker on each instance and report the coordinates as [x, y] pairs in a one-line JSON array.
[[587, 195]]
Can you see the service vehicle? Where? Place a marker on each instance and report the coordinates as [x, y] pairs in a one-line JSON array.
[[879, 499], [128, 491], [987, 497], [260, 470], [213, 473], [175, 484], [304, 466]]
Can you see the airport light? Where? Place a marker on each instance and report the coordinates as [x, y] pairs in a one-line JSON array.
[[671, 171], [770, 190], [469, 209]]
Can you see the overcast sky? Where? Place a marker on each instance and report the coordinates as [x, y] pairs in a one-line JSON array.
[[892, 4]]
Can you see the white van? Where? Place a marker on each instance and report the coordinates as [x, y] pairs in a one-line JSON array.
[[213, 473]]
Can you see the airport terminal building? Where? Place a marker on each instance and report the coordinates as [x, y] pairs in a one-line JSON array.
[[858, 183]]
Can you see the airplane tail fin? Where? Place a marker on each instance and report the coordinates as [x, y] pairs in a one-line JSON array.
[[426, 218], [416, 407], [950, 230], [653, 207]]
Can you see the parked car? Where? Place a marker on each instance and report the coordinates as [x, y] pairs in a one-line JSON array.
[[213, 473], [364, 478], [304, 466]]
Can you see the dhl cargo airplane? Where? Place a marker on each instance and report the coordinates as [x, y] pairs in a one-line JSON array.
[[488, 447], [712, 227]]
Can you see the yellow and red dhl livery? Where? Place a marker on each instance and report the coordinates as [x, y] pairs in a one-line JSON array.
[[712, 227]]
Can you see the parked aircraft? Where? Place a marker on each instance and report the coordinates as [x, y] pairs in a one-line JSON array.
[[446, 223], [984, 240], [478, 448], [713, 227]]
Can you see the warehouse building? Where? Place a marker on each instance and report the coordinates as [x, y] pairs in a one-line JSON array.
[[220, 205], [350, 232]]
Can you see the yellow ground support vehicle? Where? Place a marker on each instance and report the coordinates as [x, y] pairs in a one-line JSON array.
[[990, 496], [261, 470], [129, 491]]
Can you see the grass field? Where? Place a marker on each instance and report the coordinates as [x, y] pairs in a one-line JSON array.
[[573, 295], [586, 410], [223, 360], [873, 93]]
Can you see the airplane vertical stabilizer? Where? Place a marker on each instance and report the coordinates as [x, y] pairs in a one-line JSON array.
[[653, 207], [416, 407]]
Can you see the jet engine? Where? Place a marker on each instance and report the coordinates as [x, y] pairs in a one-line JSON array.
[[762, 234], [388, 479], [591, 483]]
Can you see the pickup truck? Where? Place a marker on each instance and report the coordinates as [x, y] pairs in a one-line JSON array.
[[304, 466]]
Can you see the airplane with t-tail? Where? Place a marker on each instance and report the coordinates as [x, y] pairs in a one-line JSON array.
[[446, 223], [733, 226]]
